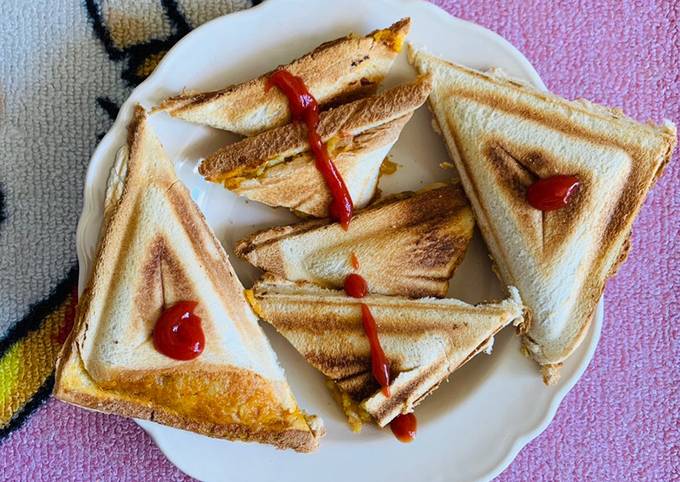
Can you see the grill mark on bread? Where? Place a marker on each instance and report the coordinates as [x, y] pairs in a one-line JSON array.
[[592, 289], [151, 284], [210, 252], [345, 68], [355, 90], [400, 397], [291, 139], [195, 99], [516, 168], [426, 234], [78, 372], [421, 350], [295, 182], [635, 184], [552, 121], [647, 147], [515, 177], [342, 314], [339, 367], [432, 246], [359, 386], [467, 178], [349, 324]]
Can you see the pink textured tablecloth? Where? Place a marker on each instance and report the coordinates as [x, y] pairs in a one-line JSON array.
[[621, 421]]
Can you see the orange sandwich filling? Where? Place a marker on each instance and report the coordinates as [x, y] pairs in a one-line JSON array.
[[391, 39], [356, 415], [219, 398], [233, 178]]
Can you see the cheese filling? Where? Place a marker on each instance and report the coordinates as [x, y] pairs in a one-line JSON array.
[[233, 179], [356, 416]]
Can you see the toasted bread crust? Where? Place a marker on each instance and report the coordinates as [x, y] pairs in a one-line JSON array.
[[297, 184], [345, 68], [424, 339], [346, 120], [114, 402], [84, 379], [409, 245], [647, 147]]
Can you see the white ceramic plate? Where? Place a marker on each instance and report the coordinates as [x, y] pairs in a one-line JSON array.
[[473, 426]]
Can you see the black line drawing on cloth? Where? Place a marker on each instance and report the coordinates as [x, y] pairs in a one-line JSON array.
[[136, 54], [38, 399], [109, 106], [3, 214], [37, 312], [32, 321]]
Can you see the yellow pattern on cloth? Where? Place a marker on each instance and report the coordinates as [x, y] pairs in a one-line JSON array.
[[28, 363], [121, 35]]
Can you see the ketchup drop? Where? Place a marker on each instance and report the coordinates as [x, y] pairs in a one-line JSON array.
[[552, 193], [356, 286], [404, 427], [303, 107], [354, 260], [178, 333]]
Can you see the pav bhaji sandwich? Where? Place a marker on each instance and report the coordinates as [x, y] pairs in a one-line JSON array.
[[337, 71], [413, 346], [407, 245], [278, 166], [555, 186], [163, 330]]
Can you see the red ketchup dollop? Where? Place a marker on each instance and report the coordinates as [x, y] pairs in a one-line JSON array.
[[178, 333], [356, 287], [551, 193], [303, 107], [404, 427]]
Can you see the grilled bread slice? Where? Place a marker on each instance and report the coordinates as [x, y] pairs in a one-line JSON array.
[[503, 136], [408, 245], [343, 69], [424, 339], [277, 168], [156, 250]]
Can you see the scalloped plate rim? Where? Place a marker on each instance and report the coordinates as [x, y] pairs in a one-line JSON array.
[[533, 428]]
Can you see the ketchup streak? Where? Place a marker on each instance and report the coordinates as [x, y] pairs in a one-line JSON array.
[[178, 333], [303, 107], [354, 261], [356, 287], [404, 427], [379, 365]]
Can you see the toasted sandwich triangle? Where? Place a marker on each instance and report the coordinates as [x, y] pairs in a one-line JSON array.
[[503, 136], [157, 249], [340, 70], [424, 339], [277, 168], [408, 245]]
